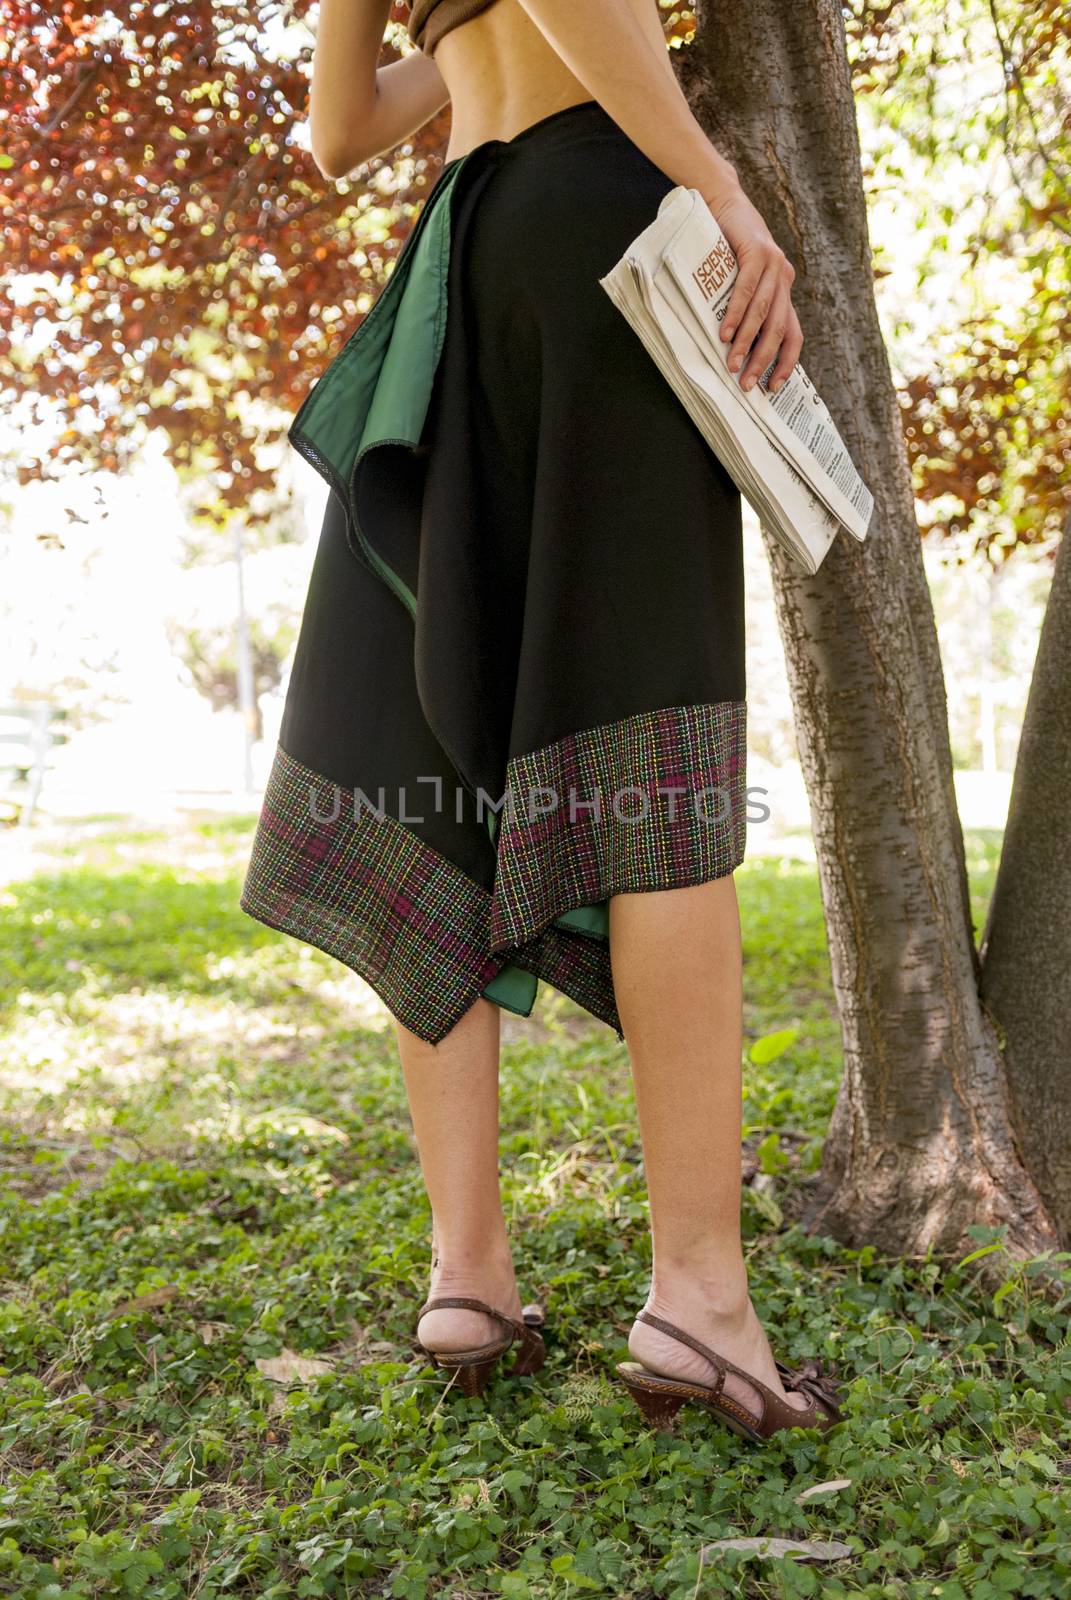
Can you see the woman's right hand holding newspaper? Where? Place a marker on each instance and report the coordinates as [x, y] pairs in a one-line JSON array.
[[636, 84], [760, 316]]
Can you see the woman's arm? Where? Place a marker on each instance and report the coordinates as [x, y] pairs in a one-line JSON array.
[[636, 84], [356, 111]]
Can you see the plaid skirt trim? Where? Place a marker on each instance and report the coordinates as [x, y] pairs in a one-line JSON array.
[[577, 965], [653, 801], [369, 892]]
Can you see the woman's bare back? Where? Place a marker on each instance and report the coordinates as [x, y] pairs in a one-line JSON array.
[[517, 62], [502, 74]]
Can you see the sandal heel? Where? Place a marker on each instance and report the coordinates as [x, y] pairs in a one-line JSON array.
[[472, 1377], [530, 1358], [659, 1409], [471, 1369]]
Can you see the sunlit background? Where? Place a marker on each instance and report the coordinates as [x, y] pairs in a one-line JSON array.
[[215, 1230], [158, 532]]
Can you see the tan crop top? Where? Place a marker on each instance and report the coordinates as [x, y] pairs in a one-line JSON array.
[[430, 19]]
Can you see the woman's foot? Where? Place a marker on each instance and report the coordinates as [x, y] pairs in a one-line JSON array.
[[490, 1278], [721, 1317]]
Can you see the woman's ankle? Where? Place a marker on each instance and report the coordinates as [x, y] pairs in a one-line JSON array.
[[468, 1260], [474, 1274], [473, 1252], [716, 1286]]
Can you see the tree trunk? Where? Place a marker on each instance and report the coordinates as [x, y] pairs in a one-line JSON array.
[[1026, 950], [920, 1144]]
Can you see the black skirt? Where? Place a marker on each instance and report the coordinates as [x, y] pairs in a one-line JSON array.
[[519, 682]]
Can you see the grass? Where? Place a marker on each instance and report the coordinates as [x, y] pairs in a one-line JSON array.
[[207, 1164]]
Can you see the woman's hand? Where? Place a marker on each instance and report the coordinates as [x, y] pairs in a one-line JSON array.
[[760, 316]]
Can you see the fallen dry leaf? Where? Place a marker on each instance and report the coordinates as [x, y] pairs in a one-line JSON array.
[[146, 1302], [210, 1331], [289, 1367], [291, 1119], [802, 1549], [818, 1489]]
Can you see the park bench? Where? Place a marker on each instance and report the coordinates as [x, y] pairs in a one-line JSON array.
[[28, 734]]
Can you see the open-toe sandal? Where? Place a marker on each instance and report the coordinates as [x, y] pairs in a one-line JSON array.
[[474, 1367], [660, 1398]]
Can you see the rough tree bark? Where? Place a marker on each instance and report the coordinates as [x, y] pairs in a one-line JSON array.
[[921, 1143], [1026, 950]]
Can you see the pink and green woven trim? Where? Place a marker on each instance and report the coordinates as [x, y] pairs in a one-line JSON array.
[[370, 893], [654, 801], [427, 939]]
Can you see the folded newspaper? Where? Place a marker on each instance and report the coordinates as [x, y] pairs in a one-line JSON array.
[[782, 450]]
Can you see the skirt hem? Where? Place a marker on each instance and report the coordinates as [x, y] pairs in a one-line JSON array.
[[421, 933], [296, 927]]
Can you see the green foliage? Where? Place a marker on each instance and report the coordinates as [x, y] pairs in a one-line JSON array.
[[231, 1174], [963, 108]]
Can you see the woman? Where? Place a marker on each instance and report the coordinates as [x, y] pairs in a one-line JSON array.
[[567, 552]]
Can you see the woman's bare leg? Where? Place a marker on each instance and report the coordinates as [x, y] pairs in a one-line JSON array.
[[453, 1101], [677, 970]]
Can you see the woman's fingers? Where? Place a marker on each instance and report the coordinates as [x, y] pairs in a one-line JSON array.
[[770, 337], [760, 311], [747, 281], [790, 353], [754, 316]]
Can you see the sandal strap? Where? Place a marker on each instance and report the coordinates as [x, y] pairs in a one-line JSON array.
[[776, 1413], [532, 1315], [464, 1303], [718, 1362]]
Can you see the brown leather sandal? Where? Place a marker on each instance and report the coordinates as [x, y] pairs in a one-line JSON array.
[[661, 1398], [474, 1367]]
